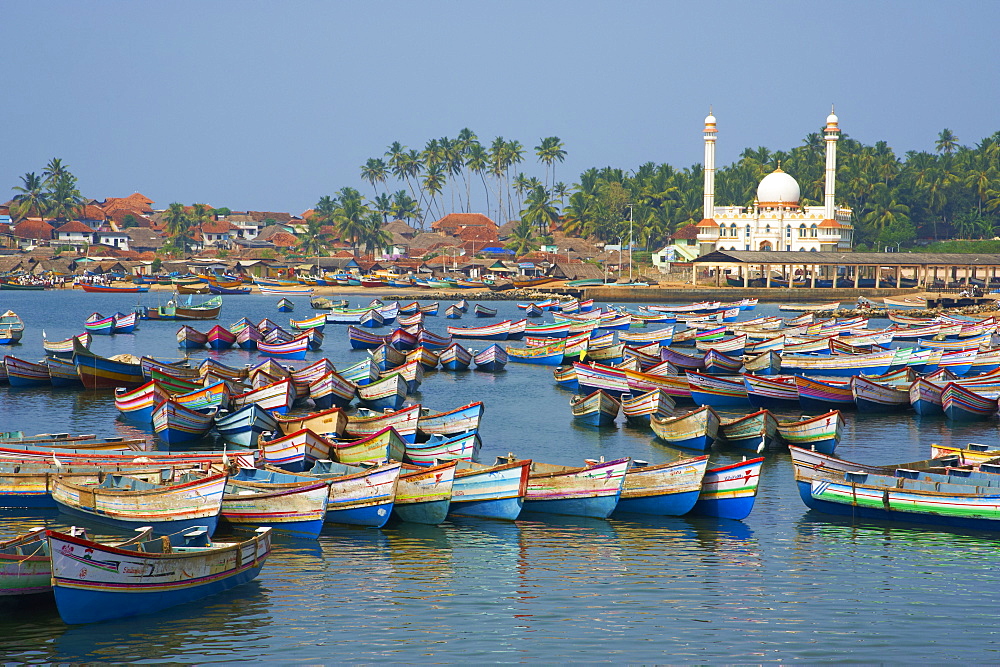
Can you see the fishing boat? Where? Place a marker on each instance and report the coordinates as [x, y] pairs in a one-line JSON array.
[[426, 357], [423, 495], [382, 446], [910, 493], [824, 394], [97, 372], [872, 396], [220, 338], [331, 390], [491, 359], [363, 340], [729, 491], [459, 447], [813, 308], [97, 582], [451, 422], [452, 312], [667, 489], [123, 324], [25, 565], [21, 373], [551, 354], [387, 393], [838, 365], [820, 433], [207, 310], [753, 432], [591, 491], [962, 403], [697, 429], [455, 358], [640, 408], [771, 392], [62, 373], [107, 289], [297, 509], [189, 338], [296, 451], [286, 306], [717, 391], [285, 290], [244, 426], [63, 349], [365, 422], [497, 331], [98, 325], [482, 311], [175, 423], [925, 397], [11, 328], [596, 409], [404, 340], [362, 373], [492, 492], [358, 496], [231, 291], [193, 499], [385, 357], [275, 397], [293, 349]]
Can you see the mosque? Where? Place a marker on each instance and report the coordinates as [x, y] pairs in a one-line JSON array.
[[776, 221]]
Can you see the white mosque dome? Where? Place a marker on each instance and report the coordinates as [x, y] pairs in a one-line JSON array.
[[778, 188], [832, 119], [710, 119]]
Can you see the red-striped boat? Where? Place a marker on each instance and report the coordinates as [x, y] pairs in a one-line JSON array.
[[293, 349]]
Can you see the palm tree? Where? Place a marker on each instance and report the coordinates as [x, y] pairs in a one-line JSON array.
[[434, 182], [520, 187], [496, 161], [549, 151], [560, 189], [374, 171], [373, 235], [383, 204], [178, 226], [54, 170], [404, 207], [350, 215], [31, 198], [522, 239], [311, 243], [513, 156], [477, 160], [64, 198], [946, 142], [466, 140], [540, 210], [325, 209]]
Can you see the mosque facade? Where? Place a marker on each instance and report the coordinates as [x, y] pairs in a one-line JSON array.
[[776, 221]]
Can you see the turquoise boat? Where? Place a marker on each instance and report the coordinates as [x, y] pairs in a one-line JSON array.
[[490, 492]]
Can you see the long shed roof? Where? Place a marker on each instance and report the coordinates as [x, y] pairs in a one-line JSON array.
[[849, 258]]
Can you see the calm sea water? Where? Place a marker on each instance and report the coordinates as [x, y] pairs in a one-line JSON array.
[[785, 584]]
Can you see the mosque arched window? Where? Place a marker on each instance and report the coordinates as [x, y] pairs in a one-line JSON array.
[[767, 229], [802, 231], [732, 230], [788, 231], [813, 231], [748, 231]]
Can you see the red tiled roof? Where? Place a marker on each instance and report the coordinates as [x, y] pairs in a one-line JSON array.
[[33, 228], [685, 233], [149, 255], [92, 212], [707, 222], [119, 215], [478, 234], [454, 221], [74, 226], [284, 240], [829, 224], [217, 227]]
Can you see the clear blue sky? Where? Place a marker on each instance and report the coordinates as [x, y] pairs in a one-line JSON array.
[[270, 105]]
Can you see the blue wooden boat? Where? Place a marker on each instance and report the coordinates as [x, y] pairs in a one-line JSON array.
[[820, 433], [455, 358], [482, 311], [596, 409], [695, 430], [232, 291], [590, 491], [459, 447], [388, 393], [423, 495], [779, 393], [296, 508], [360, 497], [97, 372], [926, 492], [244, 426], [667, 489], [729, 491], [490, 492], [285, 306], [97, 582], [372, 319], [753, 432], [492, 359], [62, 373], [193, 499], [362, 373], [385, 357], [21, 373], [175, 423]]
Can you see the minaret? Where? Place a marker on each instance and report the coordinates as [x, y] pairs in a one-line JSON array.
[[709, 212], [831, 133]]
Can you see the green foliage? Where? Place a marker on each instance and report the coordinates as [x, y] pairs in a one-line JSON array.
[[129, 221], [156, 265], [982, 247]]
